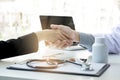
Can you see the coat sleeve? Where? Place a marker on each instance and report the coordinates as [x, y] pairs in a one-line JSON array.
[[87, 40], [22, 45], [112, 40]]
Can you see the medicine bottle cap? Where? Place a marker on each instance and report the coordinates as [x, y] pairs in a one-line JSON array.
[[99, 39]]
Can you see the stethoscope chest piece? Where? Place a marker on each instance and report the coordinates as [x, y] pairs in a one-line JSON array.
[[86, 67]]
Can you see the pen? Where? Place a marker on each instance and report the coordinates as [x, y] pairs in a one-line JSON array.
[[73, 62]]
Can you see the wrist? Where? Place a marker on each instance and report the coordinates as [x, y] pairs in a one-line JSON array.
[[77, 37], [40, 35]]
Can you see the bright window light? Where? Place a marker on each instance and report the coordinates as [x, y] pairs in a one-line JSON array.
[[19, 17]]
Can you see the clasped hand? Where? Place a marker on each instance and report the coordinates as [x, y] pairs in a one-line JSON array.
[[61, 36]]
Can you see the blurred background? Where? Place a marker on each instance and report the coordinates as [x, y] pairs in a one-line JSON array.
[[19, 17]]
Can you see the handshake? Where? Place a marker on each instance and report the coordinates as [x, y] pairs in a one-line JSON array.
[[59, 36]]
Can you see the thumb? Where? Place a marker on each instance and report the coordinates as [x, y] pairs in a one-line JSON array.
[[54, 26]]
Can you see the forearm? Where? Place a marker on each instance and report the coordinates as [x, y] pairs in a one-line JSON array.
[[40, 35], [27, 44], [23, 45]]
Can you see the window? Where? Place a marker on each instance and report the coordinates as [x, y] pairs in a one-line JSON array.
[[19, 17]]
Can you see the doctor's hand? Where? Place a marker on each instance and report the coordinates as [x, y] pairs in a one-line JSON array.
[[67, 31], [71, 35]]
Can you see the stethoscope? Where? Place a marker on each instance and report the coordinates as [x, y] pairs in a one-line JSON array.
[[54, 63]]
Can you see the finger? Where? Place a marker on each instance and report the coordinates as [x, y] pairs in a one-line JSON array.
[[62, 37], [69, 42], [54, 26], [47, 43], [59, 36], [60, 27], [57, 44], [63, 45], [64, 30], [51, 45], [67, 35]]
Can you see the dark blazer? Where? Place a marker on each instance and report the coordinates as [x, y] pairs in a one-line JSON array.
[[22, 45]]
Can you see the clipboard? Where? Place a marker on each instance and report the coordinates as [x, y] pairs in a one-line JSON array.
[[66, 68]]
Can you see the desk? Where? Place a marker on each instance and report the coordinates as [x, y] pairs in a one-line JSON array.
[[112, 73]]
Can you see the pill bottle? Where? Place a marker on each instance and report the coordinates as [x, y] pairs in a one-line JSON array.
[[99, 51]]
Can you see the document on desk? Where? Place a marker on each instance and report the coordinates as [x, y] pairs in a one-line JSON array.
[[66, 68]]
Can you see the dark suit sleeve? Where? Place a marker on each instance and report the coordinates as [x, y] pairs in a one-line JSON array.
[[22, 45]]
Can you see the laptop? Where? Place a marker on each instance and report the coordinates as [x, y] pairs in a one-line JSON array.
[[47, 20]]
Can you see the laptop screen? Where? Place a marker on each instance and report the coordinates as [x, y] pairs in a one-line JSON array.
[[46, 21]]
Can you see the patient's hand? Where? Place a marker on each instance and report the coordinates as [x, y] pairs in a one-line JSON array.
[[59, 44], [51, 35]]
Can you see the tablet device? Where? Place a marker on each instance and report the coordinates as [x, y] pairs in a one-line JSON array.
[[47, 20]]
